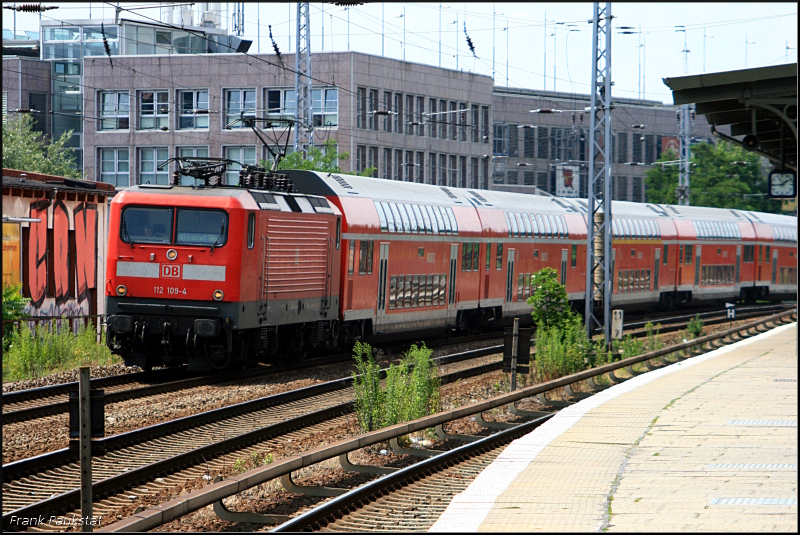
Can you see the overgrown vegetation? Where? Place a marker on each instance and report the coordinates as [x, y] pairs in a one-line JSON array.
[[51, 347], [411, 388], [325, 159], [549, 300], [695, 327], [13, 309]]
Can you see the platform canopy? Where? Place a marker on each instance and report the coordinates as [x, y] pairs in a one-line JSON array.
[[759, 105]]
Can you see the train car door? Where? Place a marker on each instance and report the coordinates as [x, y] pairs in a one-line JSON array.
[[737, 277], [264, 277], [656, 269], [383, 266], [697, 265], [509, 280], [564, 266], [774, 263], [451, 292]]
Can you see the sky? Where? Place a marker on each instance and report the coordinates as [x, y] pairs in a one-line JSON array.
[[526, 37]]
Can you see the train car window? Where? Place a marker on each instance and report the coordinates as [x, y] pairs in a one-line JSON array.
[[398, 222], [760, 250], [633, 253], [453, 222], [448, 227], [404, 216], [370, 255], [520, 225], [351, 257], [407, 295], [540, 223], [429, 291], [574, 255], [442, 288], [412, 218], [476, 249], [431, 217], [619, 282], [392, 292], [623, 227], [421, 221], [508, 224], [562, 231], [680, 253], [201, 227], [528, 227], [546, 224], [651, 228], [520, 287], [141, 224], [415, 291], [440, 220], [338, 231], [527, 286], [389, 217], [488, 255], [363, 250], [767, 255], [553, 227], [566, 228], [499, 256], [640, 229], [435, 291], [401, 290], [425, 218], [466, 257], [665, 255], [381, 217], [614, 228], [513, 221], [687, 259], [535, 226], [251, 231]]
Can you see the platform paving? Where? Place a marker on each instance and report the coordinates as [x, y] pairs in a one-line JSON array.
[[707, 444]]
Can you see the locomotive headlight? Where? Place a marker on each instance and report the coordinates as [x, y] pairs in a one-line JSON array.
[[218, 295], [121, 290], [172, 254]]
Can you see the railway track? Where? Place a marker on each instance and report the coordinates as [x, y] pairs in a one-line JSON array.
[[27, 405], [142, 456]]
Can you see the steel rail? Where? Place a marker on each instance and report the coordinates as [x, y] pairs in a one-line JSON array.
[[163, 513]]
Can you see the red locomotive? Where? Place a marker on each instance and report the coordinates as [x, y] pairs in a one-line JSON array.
[[222, 275]]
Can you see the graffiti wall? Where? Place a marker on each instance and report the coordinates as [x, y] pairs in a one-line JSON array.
[[63, 255]]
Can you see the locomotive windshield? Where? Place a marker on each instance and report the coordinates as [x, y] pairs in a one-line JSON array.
[[142, 224], [201, 227]]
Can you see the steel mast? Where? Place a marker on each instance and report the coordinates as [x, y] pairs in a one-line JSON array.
[[304, 125]]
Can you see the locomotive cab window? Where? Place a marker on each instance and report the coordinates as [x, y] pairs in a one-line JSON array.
[[251, 230], [201, 227], [143, 224], [338, 231]]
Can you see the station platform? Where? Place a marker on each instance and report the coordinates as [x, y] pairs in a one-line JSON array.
[[707, 444]]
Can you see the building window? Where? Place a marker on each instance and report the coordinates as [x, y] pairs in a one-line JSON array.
[[462, 120], [500, 145], [361, 107], [192, 105], [474, 183], [373, 107], [463, 171], [420, 167], [325, 106], [387, 163], [622, 147], [398, 108], [398, 164], [409, 114], [372, 161], [433, 167], [239, 103], [485, 130], [361, 158], [453, 120], [433, 122], [443, 169], [149, 162], [387, 121], [485, 174], [189, 152], [512, 177], [114, 110], [153, 110], [115, 167], [473, 127], [244, 154], [454, 171], [409, 174], [420, 116], [442, 119]]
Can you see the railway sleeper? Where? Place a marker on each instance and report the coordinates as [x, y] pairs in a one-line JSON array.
[[322, 492], [444, 435], [492, 425], [347, 466]]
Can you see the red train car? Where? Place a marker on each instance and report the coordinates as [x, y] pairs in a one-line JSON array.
[[216, 276]]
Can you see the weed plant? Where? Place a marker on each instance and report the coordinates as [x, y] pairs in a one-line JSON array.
[[51, 347], [561, 350]]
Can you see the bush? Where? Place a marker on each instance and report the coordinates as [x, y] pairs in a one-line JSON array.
[[695, 327], [411, 389], [50, 348], [561, 349], [13, 305], [549, 300]]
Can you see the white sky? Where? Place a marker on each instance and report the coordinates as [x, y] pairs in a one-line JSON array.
[[769, 27]]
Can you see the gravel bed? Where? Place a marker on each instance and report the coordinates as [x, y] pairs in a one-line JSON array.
[[69, 376]]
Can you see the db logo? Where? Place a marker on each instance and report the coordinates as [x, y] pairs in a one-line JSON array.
[[171, 271]]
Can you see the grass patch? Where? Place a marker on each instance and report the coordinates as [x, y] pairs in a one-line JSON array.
[[51, 347]]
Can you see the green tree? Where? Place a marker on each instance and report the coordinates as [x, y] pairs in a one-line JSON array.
[[27, 150], [715, 181], [318, 160], [549, 300]]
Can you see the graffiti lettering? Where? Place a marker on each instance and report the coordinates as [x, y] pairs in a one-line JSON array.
[[85, 216], [37, 253], [61, 252]]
